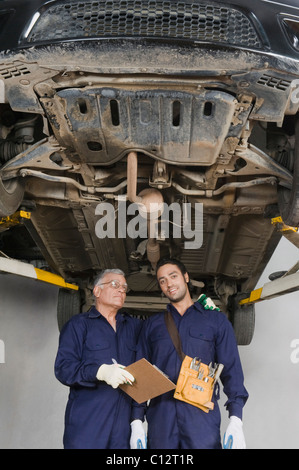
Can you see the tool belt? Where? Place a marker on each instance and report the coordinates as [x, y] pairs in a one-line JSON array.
[[196, 381]]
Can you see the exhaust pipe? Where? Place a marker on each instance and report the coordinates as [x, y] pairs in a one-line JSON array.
[[150, 202]]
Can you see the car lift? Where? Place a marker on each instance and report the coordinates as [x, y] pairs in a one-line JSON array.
[[21, 268], [287, 282]]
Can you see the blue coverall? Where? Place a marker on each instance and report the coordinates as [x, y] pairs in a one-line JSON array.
[[207, 334], [97, 416]]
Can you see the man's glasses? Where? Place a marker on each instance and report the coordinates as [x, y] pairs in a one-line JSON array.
[[116, 285]]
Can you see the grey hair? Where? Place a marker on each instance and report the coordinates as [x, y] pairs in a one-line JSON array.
[[99, 278]]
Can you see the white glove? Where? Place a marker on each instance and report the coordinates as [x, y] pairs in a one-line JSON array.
[[138, 437], [114, 375], [207, 302], [234, 437]]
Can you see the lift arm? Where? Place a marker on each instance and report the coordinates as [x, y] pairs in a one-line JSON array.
[[286, 284], [20, 268], [289, 281]]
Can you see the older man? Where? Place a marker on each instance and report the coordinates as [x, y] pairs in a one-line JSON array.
[[93, 349]]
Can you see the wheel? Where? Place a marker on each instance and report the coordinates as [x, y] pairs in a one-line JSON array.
[[11, 195], [69, 304], [288, 199], [243, 321]]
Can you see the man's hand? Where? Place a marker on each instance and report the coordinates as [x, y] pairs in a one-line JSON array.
[[138, 437], [234, 437], [114, 375]]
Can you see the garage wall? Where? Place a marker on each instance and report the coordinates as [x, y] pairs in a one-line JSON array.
[[271, 365], [32, 401]]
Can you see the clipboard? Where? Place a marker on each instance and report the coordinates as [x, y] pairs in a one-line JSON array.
[[149, 382]]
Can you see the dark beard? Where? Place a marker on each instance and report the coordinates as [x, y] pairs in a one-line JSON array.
[[181, 297]]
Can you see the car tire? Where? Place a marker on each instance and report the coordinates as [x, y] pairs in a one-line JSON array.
[[288, 199], [68, 304], [11, 196], [243, 321]]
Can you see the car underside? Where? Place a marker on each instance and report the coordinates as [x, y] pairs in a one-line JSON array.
[[125, 118]]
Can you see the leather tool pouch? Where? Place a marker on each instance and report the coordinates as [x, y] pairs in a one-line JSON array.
[[191, 389], [194, 386]]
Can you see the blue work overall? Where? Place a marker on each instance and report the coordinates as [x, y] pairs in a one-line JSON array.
[[208, 335], [97, 416]]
